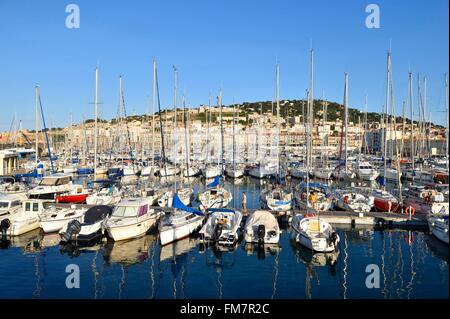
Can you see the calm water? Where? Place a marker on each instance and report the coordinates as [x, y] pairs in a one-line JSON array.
[[411, 265]]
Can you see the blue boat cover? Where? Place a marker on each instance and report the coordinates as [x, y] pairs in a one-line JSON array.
[[215, 182], [177, 203]]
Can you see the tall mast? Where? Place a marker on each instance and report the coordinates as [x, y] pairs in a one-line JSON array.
[[411, 109], [175, 84], [221, 133], [36, 89], [346, 119], [311, 106], [446, 108], [386, 120], [278, 117], [153, 111], [95, 126]]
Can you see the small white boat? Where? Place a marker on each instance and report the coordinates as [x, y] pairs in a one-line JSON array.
[[89, 229], [9, 204], [426, 200], [150, 170], [192, 171], [262, 171], [217, 197], [439, 226], [211, 171], [320, 197], [108, 195], [314, 233], [131, 218], [53, 219], [353, 201], [236, 171], [277, 199], [169, 170], [222, 227], [262, 227], [23, 220], [365, 171], [179, 224]]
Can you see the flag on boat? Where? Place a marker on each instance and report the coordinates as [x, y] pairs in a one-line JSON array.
[[177, 203], [215, 182]]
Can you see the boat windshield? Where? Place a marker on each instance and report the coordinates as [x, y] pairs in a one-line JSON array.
[[124, 211], [48, 182], [4, 204]]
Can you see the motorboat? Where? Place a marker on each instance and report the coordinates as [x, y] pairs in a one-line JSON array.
[[384, 201], [23, 220], [105, 192], [9, 204], [314, 233], [54, 219], [425, 200], [131, 218], [438, 224], [365, 171], [51, 187], [77, 195], [181, 223], [90, 229], [262, 227], [221, 227]]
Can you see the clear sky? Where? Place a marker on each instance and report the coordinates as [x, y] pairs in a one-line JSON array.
[[214, 43]]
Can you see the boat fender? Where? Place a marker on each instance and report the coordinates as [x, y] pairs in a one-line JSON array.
[[261, 233], [346, 201], [428, 199]]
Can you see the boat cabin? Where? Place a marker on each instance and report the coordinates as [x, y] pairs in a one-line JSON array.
[[56, 180], [131, 207], [8, 203]]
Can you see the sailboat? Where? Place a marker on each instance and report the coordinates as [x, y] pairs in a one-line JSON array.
[[314, 233], [278, 199], [179, 224], [215, 196], [234, 170]]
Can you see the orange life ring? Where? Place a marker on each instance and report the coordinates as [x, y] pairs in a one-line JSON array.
[[410, 210]]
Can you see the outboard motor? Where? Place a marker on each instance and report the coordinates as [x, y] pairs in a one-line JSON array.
[[261, 233], [73, 228], [4, 225], [333, 238], [217, 232]]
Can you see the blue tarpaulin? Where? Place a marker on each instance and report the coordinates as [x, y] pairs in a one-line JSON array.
[[177, 203]]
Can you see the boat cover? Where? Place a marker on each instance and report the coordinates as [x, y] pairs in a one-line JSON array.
[[262, 217], [96, 213], [177, 203], [215, 183]]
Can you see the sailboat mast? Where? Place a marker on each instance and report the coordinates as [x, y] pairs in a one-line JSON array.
[[278, 118], [346, 120], [36, 88], [175, 84], [446, 108], [95, 123], [153, 110], [411, 108], [386, 120]]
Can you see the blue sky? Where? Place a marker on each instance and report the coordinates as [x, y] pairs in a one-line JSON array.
[[213, 43]]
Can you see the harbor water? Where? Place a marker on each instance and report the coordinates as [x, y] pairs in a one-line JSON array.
[[405, 263]]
